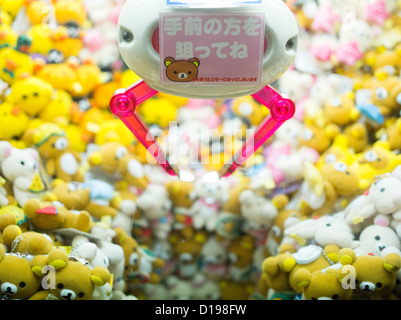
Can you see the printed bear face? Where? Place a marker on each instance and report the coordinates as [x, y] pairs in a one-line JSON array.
[[181, 70]]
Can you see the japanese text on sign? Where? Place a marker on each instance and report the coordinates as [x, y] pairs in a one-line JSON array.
[[225, 46]]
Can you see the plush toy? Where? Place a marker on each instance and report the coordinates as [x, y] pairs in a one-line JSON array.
[[250, 111], [258, 213], [318, 138], [187, 252], [205, 289], [14, 61], [17, 279], [341, 110], [49, 216], [374, 162], [140, 263], [333, 187], [158, 111], [311, 257], [377, 239], [28, 243], [113, 159], [31, 94], [230, 222], [179, 289], [72, 194], [382, 198], [181, 196], [20, 167], [385, 94], [101, 196], [93, 257], [323, 231], [214, 259], [276, 237], [125, 204], [274, 281], [232, 290], [208, 201], [155, 205], [13, 121], [392, 134], [240, 255], [73, 279], [375, 276], [60, 160], [357, 135], [324, 284], [13, 215]]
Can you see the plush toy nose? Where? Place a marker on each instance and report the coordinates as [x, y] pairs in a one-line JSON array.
[[366, 286], [9, 288], [68, 294]]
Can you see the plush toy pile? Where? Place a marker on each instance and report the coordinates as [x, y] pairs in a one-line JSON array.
[[85, 214]]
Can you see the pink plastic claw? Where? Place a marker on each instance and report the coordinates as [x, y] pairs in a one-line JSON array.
[[281, 110], [124, 103]]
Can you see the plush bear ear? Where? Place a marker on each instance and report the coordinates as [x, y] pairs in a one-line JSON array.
[[346, 256], [58, 258], [270, 266], [37, 265], [348, 271], [31, 206], [10, 233], [302, 277], [286, 262], [392, 262], [100, 276]]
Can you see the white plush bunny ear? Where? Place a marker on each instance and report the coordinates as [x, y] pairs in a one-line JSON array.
[[5, 150], [305, 229]]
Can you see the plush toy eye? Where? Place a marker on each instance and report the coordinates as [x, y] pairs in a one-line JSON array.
[[335, 297], [328, 225], [382, 189], [377, 238], [379, 285], [335, 102], [22, 163], [370, 156], [22, 284], [61, 144], [60, 286], [307, 134], [340, 167], [330, 158], [381, 93], [121, 152]]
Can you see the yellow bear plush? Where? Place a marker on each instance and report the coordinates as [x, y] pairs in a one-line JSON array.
[[60, 160], [27, 243], [49, 216], [17, 279], [139, 262], [72, 279], [324, 284], [375, 276]]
